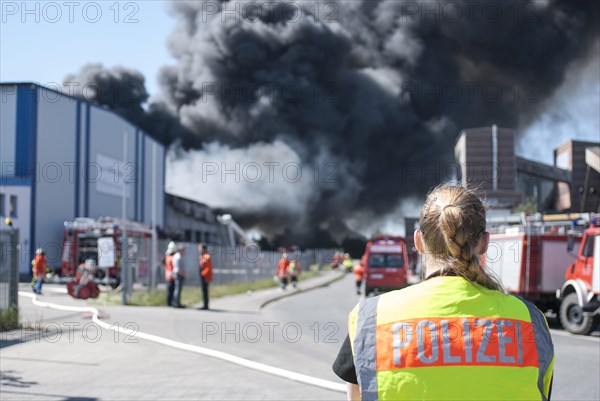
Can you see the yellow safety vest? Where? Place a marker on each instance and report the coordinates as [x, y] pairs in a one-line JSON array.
[[449, 339]]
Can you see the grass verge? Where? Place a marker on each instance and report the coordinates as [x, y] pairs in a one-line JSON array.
[[192, 295], [9, 318]]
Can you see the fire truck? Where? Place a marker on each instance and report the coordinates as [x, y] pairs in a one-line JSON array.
[[580, 294], [385, 261], [99, 243], [531, 254]]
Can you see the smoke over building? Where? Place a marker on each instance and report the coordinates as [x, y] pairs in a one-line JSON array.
[[357, 95]]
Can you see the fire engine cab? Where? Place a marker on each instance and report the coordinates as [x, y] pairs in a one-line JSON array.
[[99, 243], [385, 261]]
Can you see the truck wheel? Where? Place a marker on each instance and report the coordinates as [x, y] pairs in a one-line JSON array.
[[572, 317]]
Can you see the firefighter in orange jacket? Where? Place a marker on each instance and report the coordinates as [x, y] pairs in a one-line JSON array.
[[39, 270], [359, 274], [282, 270], [205, 263]]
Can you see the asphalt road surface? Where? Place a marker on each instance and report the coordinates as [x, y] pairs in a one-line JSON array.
[[577, 369], [301, 333]]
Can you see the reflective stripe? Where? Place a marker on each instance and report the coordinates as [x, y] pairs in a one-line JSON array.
[[450, 339], [544, 345], [365, 356]]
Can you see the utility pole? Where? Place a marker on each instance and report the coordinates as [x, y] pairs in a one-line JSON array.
[[124, 275], [154, 247]]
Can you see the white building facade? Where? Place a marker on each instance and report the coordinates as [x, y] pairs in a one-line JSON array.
[[63, 157]]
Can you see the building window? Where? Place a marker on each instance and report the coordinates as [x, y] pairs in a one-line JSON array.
[[2, 212], [12, 207]]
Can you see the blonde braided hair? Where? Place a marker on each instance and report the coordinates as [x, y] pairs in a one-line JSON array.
[[452, 223]]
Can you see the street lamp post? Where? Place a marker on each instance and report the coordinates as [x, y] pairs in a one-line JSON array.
[[124, 278]]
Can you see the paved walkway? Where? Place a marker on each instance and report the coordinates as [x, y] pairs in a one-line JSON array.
[[64, 356]]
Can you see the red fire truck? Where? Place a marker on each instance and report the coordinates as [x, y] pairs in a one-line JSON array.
[[530, 255], [580, 294], [385, 261], [100, 241]]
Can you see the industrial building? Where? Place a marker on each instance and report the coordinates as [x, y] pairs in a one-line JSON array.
[[190, 221], [487, 160], [486, 157], [62, 157], [582, 159]]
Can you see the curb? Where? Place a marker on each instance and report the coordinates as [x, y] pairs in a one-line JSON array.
[[290, 294]]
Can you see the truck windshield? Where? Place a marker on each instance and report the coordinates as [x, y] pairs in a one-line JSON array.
[[385, 260]]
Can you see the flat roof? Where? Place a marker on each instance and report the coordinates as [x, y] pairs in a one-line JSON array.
[[91, 103]]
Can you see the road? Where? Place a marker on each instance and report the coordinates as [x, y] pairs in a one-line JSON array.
[[301, 333], [577, 366]]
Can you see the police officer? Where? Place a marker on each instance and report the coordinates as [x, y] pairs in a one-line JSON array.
[[456, 335]]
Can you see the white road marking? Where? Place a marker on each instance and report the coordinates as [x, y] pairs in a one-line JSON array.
[[261, 367]]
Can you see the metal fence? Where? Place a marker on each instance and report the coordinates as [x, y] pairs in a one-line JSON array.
[[230, 265], [9, 268]]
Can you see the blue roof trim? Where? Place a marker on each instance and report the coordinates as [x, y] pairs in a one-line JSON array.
[[74, 98], [15, 181]]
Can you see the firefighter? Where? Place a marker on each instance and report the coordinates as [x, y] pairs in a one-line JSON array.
[[282, 271], [39, 267], [457, 334], [171, 249], [83, 286], [359, 274], [179, 276], [347, 263], [335, 260], [294, 269], [205, 263]]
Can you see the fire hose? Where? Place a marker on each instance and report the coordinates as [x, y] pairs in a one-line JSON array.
[[261, 367]]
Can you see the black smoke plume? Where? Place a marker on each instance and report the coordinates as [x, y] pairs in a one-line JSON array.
[[377, 89]]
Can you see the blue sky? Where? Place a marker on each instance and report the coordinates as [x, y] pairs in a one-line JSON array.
[[65, 37]]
